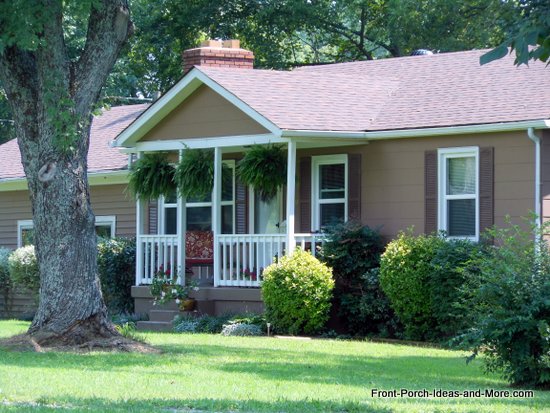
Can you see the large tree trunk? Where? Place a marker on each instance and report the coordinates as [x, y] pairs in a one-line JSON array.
[[52, 98]]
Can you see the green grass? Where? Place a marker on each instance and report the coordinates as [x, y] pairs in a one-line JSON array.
[[215, 373]]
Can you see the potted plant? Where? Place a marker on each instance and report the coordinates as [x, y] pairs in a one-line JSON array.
[[264, 168], [165, 288], [195, 173], [151, 176]]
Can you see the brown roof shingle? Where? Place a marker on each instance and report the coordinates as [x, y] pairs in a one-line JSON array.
[[101, 157], [447, 89]]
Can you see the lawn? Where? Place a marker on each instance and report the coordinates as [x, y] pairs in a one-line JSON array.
[[215, 373]]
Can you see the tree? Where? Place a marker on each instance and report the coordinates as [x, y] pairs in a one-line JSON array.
[[52, 85], [529, 35]]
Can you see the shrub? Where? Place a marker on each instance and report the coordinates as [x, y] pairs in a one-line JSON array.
[[422, 276], [241, 330], [5, 278], [297, 292], [186, 326], [24, 270], [116, 264], [508, 298], [353, 251]]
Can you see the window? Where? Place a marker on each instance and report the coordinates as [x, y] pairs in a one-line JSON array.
[[458, 192], [199, 210], [329, 190], [105, 226]]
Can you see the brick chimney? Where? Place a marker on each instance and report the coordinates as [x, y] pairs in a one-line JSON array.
[[217, 53]]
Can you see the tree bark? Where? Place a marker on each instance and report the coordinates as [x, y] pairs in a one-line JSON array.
[[52, 99]]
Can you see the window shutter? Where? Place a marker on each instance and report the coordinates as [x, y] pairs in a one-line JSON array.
[[241, 208], [354, 187], [430, 192], [305, 194], [153, 217], [486, 188]]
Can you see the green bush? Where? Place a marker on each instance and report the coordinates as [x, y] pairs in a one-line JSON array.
[[5, 279], [116, 264], [509, 301], [353, 252], [297, 293], [422, 276], [24, 270], [241, 330]]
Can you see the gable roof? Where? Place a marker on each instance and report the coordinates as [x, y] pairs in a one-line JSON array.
[[439, 90], [101, 156]]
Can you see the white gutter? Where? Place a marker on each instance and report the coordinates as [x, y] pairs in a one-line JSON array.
[[536, 140], [421, 132]]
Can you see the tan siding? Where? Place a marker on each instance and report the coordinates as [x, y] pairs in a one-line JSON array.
[[393, 177], [106, 200], [545, 174], [204, 114]]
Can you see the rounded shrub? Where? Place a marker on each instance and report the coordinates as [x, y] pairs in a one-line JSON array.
[[23, 267], [405, 270], [116, 264], [297, 293], [5, 278], [241, 330]]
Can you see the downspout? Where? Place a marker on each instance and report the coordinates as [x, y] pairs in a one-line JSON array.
[[536, 140]]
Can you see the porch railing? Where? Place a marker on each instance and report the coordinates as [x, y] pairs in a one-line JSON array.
[[155, 252], [310, 242], [243, 258]]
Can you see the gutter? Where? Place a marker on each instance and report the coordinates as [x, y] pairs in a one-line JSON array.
[[536, 139], [421, 132]]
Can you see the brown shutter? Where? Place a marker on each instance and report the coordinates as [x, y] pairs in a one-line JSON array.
[[241, 208], [486, 188], [305, 194], [354, 187], [153, 217], [430, 192]]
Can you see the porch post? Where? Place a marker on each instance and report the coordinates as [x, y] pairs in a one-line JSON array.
[[290, 195], [181, 231], [139, 231], [216, 211]]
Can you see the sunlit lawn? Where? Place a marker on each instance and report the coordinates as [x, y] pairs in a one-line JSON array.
[[215, 373]]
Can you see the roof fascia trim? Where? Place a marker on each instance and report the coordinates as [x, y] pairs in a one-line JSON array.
[[421, 132]]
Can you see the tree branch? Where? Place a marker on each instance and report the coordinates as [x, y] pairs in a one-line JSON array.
[[109, 26]]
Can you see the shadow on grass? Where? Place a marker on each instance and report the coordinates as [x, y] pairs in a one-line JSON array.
[[203, 405]]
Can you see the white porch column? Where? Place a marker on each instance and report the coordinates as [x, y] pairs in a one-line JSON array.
[[290, 196], [216, 211], [181, 230], [140, 215]]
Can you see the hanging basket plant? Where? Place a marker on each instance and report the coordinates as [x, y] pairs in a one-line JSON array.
[[151, 176], [195, 173], [264, 168]]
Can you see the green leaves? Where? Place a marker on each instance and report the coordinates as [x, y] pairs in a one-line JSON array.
[[497, 53], [264, 168], [151, 176], [194, 174]]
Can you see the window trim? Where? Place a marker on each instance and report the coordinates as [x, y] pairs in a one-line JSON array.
[[162, 205], [21, 225], [99, 220], [442, 155], [316, 202]]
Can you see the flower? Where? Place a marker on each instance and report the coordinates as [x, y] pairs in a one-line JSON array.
[[177, 301]]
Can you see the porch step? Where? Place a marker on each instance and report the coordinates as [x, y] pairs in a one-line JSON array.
[[163, 315], [154, 326]]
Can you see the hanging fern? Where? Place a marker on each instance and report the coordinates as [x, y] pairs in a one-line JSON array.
[[264, 168], [151, 176], [195, 173]]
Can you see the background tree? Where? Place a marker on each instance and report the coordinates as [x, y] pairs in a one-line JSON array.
[[52, 83]]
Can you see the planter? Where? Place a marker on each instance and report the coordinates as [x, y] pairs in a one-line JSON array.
[[188, 304]]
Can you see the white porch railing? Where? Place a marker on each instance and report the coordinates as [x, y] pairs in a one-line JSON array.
[[243, 258], [310, 242], [156, 252]]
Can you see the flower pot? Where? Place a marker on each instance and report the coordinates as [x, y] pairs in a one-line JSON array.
[[188, 304]]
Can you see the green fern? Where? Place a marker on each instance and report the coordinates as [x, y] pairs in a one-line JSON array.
[[264, 168], [195, 173], [151, 176]]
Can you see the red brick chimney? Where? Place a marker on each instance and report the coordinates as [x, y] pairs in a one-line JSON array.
[[217, 53]]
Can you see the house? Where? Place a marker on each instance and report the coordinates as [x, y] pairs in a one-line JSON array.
[[434, 142]]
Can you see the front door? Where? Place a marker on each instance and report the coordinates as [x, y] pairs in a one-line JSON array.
[[268, 216]]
